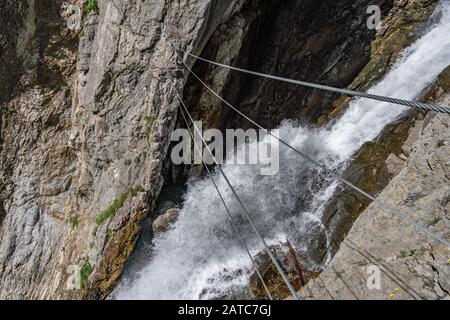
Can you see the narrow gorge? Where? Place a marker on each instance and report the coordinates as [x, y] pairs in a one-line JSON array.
[[89, 195]]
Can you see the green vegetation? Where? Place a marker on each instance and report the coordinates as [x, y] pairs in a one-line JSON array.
[[118, 203], [94, 232], [85, 272], [7, 112], [434, 221], [410, 253], [149, 121], [339, 274], [110, 234], [91, 6], [140, 156], [73, 221], [82, 194], [81, 34], [137, 159], [440, 143]]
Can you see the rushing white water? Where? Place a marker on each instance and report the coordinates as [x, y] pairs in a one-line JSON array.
[[200, 258]]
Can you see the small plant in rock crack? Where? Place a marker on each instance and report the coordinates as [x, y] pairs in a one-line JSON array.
[[85, 272], [433, 221], [149, 120], [7, 112], [140, 157], [117, 204], [91, 6], [440, 143], [74, 221], [339, 274], [94, 231], [110, 234], [82, 194], [406, 253]]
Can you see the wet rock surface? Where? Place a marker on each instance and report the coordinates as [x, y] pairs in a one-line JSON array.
[[289, 260], [375, 164], [327, 42], [410, 264], [403, 24], [164, 221]]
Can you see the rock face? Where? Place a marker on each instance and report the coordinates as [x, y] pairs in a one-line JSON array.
[[328, 42], [86, 115], [376, 261], [398, 30], [163, 222], [36, 161], [85, 128]]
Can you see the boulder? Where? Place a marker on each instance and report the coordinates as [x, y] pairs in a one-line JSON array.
[[394, 164], [413, 135], [444, 79], [163, 222]]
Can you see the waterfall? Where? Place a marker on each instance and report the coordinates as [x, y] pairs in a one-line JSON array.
[[200, 257]]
